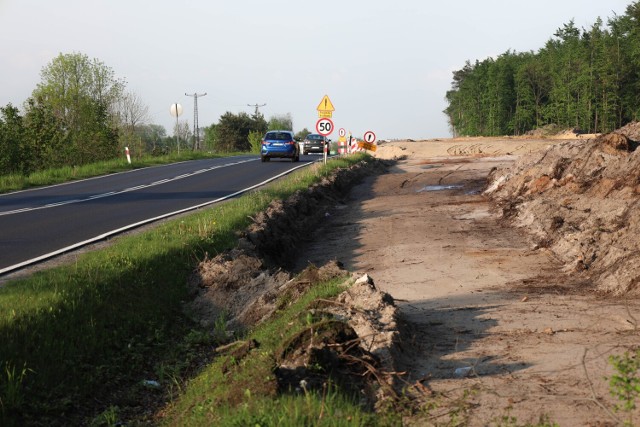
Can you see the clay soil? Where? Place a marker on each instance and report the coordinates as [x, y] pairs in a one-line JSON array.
[[496, 327]]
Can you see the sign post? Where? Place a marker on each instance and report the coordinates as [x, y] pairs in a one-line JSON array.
[[324, 127], [342, 141], [176, 111]]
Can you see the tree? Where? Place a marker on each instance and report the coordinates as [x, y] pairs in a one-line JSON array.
[[183, 132], [44, 141], [532, 86], [152, 136], [586, 79], [82, 93], [232, 131], [131, 112], [11, 136], [281, 122], [210, 136], [302, 134], [71, 81]]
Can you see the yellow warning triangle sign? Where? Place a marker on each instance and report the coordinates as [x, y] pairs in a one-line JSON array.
[[325, 104]]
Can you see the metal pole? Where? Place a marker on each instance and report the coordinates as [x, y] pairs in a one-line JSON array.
[[196, 125]]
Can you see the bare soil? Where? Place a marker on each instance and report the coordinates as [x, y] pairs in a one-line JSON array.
[[496, 325], [511, 263]]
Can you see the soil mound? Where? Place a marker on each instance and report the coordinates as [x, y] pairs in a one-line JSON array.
[[352, 340], [579, 200], [245, 285]]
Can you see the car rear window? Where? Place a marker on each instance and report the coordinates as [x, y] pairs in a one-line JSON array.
[[278, 136], [316, 137]]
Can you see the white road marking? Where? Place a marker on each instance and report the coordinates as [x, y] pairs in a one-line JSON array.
[[126, 190], [146, 221]]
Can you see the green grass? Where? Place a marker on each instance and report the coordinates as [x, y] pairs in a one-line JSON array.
[[245, 394], [80, 339], [69, 173]]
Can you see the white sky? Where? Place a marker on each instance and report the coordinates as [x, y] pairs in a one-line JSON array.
[[386, 65]]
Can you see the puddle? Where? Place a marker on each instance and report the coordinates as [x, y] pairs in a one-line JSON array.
[[438, 188], [431, 166]]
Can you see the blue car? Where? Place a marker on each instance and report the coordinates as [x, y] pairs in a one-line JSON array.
[[280, 144]]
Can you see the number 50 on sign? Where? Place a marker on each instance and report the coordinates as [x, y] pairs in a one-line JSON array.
[[324, 126]]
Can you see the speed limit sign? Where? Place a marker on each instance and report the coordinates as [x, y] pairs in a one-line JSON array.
[[342, 132], [324, 126], [369, 137]]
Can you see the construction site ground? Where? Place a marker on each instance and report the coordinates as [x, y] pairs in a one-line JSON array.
[[497, 328]]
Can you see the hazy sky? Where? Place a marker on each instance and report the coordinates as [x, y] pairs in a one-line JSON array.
[[386, 65]]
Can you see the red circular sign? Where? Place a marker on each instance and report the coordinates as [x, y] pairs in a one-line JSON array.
[[369, 137], [324, 126], [342, 132]]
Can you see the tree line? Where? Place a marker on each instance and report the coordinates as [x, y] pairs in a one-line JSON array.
[[584, 79], [81, 113]]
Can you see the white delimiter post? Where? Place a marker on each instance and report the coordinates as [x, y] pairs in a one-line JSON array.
[[325, 150], [126, 151]]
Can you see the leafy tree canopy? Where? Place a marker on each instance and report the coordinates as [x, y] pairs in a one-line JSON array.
[[586, 79], [232, 131], [281, 122]]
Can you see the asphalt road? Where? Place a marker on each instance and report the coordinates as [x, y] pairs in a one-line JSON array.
[[38, 224]]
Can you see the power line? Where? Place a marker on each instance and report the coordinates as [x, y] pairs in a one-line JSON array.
[[196, 129], [256, 106]]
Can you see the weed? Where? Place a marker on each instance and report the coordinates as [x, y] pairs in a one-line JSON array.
[[11, 386], [220, 328], [510, 421], [108, 418], [624, 385]]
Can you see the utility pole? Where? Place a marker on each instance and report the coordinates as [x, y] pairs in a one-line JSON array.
[[196, 129], [256, 106]]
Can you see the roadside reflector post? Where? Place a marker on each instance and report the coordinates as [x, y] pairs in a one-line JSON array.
[[126, 151]]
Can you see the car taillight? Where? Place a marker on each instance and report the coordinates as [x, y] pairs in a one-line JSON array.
[[292, 142]]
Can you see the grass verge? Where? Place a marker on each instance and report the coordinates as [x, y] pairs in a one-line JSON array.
[[100, 335], [17, 182]]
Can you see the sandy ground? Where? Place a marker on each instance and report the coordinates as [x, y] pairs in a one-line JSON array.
[[495, 329]]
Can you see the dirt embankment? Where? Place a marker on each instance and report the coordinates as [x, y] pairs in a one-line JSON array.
[[246, 283], [580, 199], [353, 337]]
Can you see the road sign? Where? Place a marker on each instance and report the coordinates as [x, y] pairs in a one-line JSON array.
[[325, 108], [369, 137], [324, 126], [342, 132], [367, 146], [175, 110]]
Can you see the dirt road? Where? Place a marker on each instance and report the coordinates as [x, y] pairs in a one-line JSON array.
[[495, 328]]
